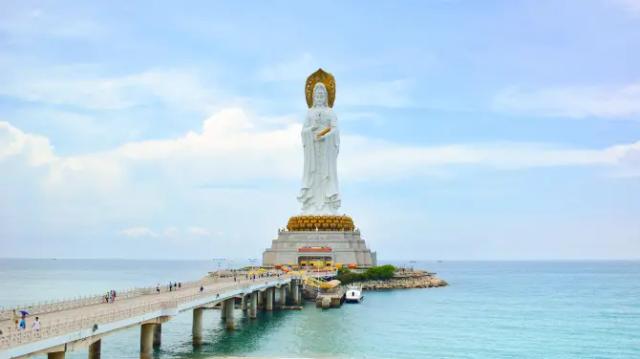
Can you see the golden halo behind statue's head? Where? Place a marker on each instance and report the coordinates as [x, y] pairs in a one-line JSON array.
[[328, 81]]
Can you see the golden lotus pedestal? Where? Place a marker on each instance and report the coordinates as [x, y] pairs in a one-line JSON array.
[[328, 239], [320, 223]]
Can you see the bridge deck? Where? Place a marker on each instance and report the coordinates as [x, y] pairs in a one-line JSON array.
[[59, 327]]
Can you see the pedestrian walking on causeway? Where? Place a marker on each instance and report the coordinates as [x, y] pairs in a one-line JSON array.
[[201, 289], [22, 325], [36, 325]]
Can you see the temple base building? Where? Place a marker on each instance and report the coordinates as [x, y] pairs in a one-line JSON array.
[[329, 239]]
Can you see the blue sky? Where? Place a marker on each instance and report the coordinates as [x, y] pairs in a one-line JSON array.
[[470, 130]]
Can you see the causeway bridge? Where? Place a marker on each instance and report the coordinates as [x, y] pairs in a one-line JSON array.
[[84, 322]]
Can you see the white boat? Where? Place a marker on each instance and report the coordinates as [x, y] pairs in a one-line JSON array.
[[354, 294]]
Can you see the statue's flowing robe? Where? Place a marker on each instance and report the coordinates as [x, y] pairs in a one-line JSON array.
[[319, 193]]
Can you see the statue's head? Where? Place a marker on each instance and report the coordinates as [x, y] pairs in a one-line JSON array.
[[319, 95]]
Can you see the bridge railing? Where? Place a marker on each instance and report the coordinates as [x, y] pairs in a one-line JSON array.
[[109, 315], [65, 304], [61, 327]]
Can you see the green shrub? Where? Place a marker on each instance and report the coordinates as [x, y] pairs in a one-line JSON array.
[[374, 273], [381, 272]]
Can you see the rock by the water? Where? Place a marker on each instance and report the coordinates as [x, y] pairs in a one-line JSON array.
[[414, 280]]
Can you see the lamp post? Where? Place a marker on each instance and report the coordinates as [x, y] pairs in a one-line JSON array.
[[219, 263]]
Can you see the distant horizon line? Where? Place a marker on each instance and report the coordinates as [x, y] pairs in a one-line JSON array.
[[383, 261]]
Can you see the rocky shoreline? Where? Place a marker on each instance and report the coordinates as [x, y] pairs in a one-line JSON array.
[[404, 282]]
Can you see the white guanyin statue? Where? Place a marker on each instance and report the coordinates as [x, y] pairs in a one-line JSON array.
[[321, 142]]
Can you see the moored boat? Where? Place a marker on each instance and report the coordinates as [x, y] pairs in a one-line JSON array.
[[354, 294]]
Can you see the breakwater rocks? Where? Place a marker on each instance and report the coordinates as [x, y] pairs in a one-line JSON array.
[[404, 282]]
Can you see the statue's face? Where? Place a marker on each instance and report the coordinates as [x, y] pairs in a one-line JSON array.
[[319, 95]]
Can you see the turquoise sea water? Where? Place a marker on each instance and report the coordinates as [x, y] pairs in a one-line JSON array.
[[489, 310]]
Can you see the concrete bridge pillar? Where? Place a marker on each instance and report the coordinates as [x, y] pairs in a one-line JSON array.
[[290, 292], [157, 336], [253, 305], [296, 293], [300, 299], [146, 339], [229, 304], [94, 349], [196, 327], [223, 309], [269, 300], [243, 303], [282, 299], [55, 355]]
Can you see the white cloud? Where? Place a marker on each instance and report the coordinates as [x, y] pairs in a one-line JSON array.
[[35, 149], [138, 232], [231, 147], [198, 231], [633, 6], [627, 158], [83, 87], [171, 232], [373, 158], [573, 101], [155, 183]]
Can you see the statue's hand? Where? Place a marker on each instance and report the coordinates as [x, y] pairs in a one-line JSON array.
[[321, 134]]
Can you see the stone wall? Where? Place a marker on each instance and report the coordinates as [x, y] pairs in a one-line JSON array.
[[426, 281]]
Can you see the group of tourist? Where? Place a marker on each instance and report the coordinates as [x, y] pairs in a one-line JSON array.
[[238, 273], [173, 286], [262, 275], [110, 296], [21, 321]]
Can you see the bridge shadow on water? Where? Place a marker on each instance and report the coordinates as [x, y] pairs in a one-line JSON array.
[[218, 341]]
